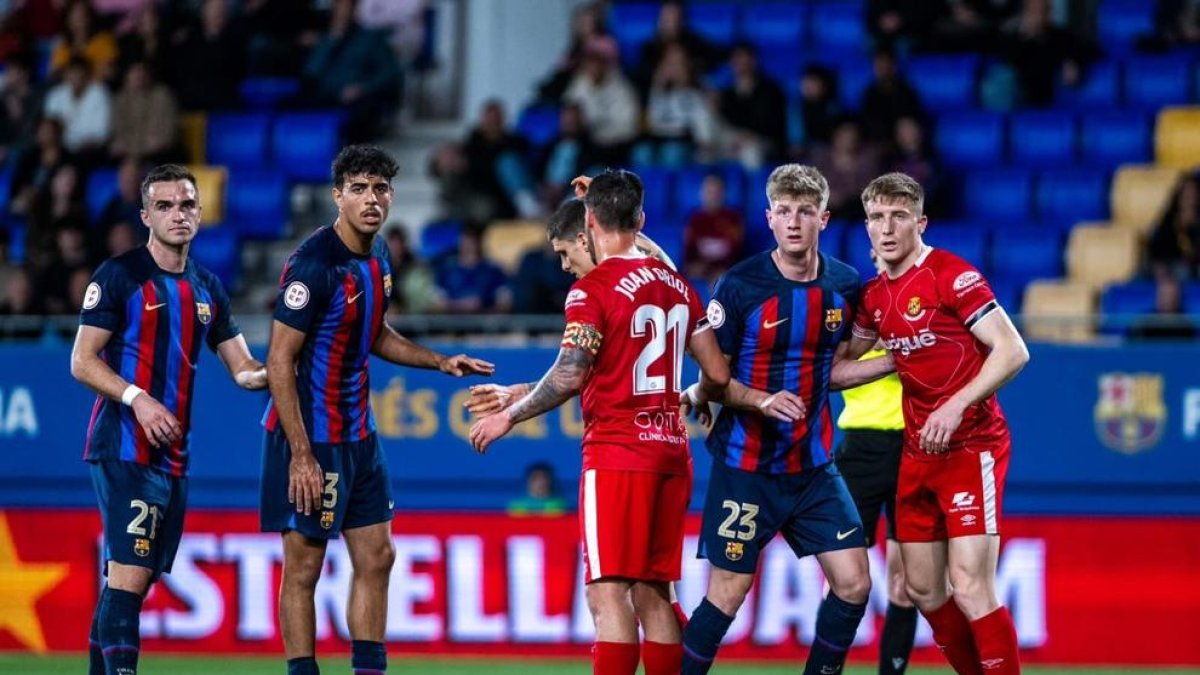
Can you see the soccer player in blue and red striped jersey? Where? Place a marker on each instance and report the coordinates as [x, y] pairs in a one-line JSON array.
[[782, 317], [145, 316], [324, 473]]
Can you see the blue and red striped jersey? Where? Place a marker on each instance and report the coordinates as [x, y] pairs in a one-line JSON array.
[[338, 299], [158, 321], [780, 334]]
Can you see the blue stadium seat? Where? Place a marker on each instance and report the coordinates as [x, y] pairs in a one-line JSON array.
[[267, 93], [774, 24], [632, 24], [1112, 137], [853, 79], [944, 82], [256, 204], [659, 200], [101, 188], [998, 195], [1156, 81], [781, 64], [1068, 196], [856, 249], [833, 238], [6, 175], [968, 243], [669, 237], [1100, 87], [688, 182], [1122, 304], [216, 249], [1027, 253], [1008, 292], [305, 143], [439, 238], [970, 138], [238, 140], [1191, 297], [715, 21], [839, 27], [1042, 138], [703, 288], [538, 123], [1119, 23], [756, 196]]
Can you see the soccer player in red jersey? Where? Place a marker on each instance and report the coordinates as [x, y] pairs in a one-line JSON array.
[[629, 322], [954, 346]]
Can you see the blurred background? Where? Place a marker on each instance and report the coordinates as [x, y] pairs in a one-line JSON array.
[[1057, 141]]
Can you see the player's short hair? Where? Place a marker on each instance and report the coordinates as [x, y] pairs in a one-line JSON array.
[[367, 160], [797, 181], [166, 173], [893, 186], [567, 221], [615, 196]]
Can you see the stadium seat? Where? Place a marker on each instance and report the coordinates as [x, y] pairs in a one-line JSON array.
[[1099, 256], [238, 140], [1058, 311], [1099, 89], [658, 184], [944, 82], [1177, 137], [774, 24], [714, 21], [1027, 253], [1119, 23], [1122, 304], [632, 24], [6, 176], [998, 195], [256, 204], [505, 242], [1140, 195], [970, 138], [1191, 297], [833, 238], [1152, 82], [216, 249], [303, 145], [970, 244], [840, 27], [267, 93], [194, 137], [1008, 292], [853, 79], [1064, 197], [669, 237], [688, 182], [439, 238], [1112, 137], [538, 123], [1042, 138], [782, 64], [210, 183], [101, 188]]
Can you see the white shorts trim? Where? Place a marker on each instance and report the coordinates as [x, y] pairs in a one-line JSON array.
[[591, 528], [987, 466]]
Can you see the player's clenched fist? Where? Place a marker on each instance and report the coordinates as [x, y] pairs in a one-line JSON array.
[[160, 425], [492, 398], [461, 364], [489, 429]]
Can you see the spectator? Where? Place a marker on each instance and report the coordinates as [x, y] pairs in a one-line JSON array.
[[609, 102], [59, 208], [1178, 24], [54, 278], [1175, 243], [1042, 54], [571, 153], [901, 25], [541, 497], [85, 109], [81, 38], [673, 32], [413, 287], [146, 118], [679, 122], [848, 164], [123, 207], [755, 110], [19, 296], [122, 238], [813, 116], [469, 282], [209, 60], [587, 22], [33, 171], [282, 33], [912, 154], [1168, 321], [144, 38], [713, 236], [356, 70], [540, 286], [20, 106], [77, 287], [888, 98]]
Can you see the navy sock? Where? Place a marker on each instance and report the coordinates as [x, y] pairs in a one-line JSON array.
[[95, 651], [118, 631], [837, 620], [702, 638], [305, 665], [368, 658], [896, 643]]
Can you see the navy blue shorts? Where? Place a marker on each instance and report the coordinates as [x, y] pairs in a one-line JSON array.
[[142, 510], [358, 491], [744, 510]]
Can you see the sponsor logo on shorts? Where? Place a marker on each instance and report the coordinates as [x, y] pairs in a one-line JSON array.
[[963, 499], [991, 664], [141, 547], [734, 550], [833, 319], [841, 536], [326, 519], [968, 519], [1130, 413]]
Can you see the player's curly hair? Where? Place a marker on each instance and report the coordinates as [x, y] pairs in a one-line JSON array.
[[893, 186], [166, 173], [567, 220], [366, 160], [615, 196], [798, 180]]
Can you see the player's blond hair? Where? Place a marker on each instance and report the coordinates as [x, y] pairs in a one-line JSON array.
[[797, 181], [893, 186]]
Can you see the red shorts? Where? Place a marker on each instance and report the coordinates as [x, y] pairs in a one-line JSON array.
[[632, 523], [954, 497]]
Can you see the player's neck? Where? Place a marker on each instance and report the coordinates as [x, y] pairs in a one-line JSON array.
[[354, 240], [907, 263], [801, 267], [168, 258], [615, 245]]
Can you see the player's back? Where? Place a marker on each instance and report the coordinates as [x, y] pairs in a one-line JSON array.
[[645, 315]]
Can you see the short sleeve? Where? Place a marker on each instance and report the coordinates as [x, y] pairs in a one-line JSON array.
[[725, 315], [966, 292], [585, 319], [224, 326], [700, 316], [105, 297], [865, 322], [304, 291]]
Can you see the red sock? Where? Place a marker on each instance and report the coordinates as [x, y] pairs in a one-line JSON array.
[[661, 658], [680, 614], [996, 639], [952, 633], [615, 658]]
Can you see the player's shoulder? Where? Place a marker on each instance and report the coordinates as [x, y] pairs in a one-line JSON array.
[[204, 276], [840, 276], [752, 268], [131, 266], [952, 269], [316, 247]]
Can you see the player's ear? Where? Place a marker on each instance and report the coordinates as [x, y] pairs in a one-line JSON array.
[[641, 220], [922, 223]]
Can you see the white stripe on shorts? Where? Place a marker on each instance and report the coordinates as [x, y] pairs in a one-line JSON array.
[[986, 467], [591, 530]]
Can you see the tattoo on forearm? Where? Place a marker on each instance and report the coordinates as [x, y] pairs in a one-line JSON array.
[[583, 336], [556, 387]]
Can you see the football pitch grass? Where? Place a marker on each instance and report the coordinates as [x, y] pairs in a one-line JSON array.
[[338, 665]]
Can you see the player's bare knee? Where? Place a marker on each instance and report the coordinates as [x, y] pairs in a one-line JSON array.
[[129, 578], [728, 590], [379, 560], [854, 587], [648, 598], [302, 570], [926, 596]]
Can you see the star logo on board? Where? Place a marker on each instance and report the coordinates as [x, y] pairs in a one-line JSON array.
[[22, 584]]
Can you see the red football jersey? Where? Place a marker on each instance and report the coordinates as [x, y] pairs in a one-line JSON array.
[[924, 318], [645, 315]]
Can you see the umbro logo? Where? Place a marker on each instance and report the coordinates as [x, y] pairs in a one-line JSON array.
[[991, 664]]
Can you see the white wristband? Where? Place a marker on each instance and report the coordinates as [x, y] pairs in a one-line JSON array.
[[131, 392], [693, 392]]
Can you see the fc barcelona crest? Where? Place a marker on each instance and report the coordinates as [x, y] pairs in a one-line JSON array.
[[734, 550], [914, 306], [326, 519], [141, 547], [1130, 414], [203, 312], [833, 319]]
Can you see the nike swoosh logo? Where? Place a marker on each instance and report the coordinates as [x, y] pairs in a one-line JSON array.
[[355, 297], [771, 324], [847, 533], [151, 308]]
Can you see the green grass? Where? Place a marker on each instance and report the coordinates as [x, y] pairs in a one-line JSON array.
[[337, 665]]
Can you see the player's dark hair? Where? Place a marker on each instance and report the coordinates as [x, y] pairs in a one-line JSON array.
[[367, 160], [567, 221], [166, 173], [615, 196]]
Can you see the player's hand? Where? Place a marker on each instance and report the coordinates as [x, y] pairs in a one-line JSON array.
[[160, 425], [305, 482], [461, 364], [489, 429], [487, 399], [581, 185], [783, 406], [692, 405], [941, 425]]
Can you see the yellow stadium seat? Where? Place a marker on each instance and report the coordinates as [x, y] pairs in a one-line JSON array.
[[1098, 256], [210, 183], [506, 241], [1059, 311], [1140, 195], [193, 133], [1177, 137]]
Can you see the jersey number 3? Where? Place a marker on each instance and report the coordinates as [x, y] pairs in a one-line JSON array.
[[652, 320]]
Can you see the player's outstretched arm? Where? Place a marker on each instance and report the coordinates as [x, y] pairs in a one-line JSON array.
[[394, 347], [305, 482], [246, 371], [848, 372], [491, 398]]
